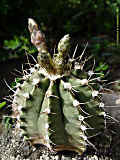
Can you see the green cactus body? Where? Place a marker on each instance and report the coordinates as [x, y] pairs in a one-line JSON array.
[[52, 106]]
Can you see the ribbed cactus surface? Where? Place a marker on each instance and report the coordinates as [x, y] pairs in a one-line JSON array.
[[55, 105]]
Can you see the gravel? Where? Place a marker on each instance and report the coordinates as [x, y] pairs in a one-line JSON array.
[[13, 147]]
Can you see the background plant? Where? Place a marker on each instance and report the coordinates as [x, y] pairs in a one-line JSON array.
[[75, 17]]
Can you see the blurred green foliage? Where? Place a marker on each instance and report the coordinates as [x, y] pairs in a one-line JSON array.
[[17, 47], [19, 43], [2, 104], [61, 15], [80, 18], [14, 83], [12, 44]]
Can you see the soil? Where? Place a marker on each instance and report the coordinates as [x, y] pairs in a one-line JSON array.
[[13, 147]]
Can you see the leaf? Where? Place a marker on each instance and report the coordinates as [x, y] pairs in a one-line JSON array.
[[12, 44], [2, 104]]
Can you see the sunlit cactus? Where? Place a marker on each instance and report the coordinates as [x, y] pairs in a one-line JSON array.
[[58, 105]]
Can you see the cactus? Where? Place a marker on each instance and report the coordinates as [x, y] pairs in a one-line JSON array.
[[57, 105]]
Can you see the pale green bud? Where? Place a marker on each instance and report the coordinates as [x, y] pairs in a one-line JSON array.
[[64, 44]]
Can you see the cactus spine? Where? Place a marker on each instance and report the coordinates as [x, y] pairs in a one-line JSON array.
[[55, 106]]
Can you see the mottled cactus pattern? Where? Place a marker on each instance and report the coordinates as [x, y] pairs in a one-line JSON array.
[[56, 105]]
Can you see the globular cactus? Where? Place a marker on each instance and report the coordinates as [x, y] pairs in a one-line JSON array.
[[56, 105]]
